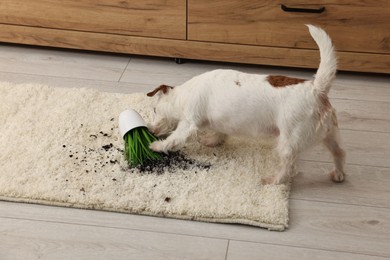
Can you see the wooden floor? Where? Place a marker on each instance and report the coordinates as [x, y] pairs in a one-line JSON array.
[[327, 220]]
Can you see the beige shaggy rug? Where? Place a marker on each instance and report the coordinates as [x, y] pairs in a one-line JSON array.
[[62, 147]]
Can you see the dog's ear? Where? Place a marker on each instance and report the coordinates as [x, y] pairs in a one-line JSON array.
[[163, 88]]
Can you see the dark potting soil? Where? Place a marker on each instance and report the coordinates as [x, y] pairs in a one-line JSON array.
[[172, 161], [107, 155]]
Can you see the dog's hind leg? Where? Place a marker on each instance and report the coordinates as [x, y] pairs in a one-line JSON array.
[[333, 144], [286, 171], [288, 154], [177, 139]]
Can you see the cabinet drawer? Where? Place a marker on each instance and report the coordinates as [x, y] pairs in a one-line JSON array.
[[354, 25], [154, 18]]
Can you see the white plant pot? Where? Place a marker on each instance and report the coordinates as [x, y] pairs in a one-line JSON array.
[[128, 120]]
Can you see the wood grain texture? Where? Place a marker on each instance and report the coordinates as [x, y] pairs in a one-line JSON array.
[[363, 115], [62, 64], [239, 250], [316, 225], [323, 222], [373, 90], [364, 185], [361, 26], [363, 148], [189, 49], [154, 18], [28, 239]]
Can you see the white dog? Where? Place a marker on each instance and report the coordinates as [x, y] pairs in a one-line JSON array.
[[228, 102]]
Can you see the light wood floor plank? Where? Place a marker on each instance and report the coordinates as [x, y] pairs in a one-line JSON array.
[[368, 88], [162, 71], [64, 82], [51, 62], [363, 148], [363, 115], [364, 185], [316, 225], [239, 250], [346, 228], [26, 239]]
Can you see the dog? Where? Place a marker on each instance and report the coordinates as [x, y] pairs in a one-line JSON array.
[[296, 112]]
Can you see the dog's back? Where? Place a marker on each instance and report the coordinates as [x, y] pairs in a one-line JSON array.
[[231, 99]]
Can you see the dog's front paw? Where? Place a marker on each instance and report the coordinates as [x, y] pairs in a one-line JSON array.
[[163, 146], [158, 146]]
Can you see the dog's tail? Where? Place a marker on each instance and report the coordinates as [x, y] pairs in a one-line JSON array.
[[327, 70]]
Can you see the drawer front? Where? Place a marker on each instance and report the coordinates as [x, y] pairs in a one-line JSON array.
[[153, 18], [354, 25]]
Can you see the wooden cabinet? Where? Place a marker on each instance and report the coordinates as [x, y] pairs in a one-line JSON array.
[[358, 26], [152, 18], [259, 32]]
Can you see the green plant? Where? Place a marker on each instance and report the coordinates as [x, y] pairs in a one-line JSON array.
[[137, 151]]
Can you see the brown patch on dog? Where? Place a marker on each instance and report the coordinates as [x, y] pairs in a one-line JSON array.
[[238, 83], [325, 101], [278, 81], [163, 88], [325, 110], [334, 119]]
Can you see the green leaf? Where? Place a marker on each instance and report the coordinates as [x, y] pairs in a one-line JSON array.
[[137, 151]]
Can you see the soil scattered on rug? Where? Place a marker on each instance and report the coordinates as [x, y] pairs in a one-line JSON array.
[[171, 162], [97, 158], [106, 155]]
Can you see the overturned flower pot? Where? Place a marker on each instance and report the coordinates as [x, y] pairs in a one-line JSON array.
[[137, 139]]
